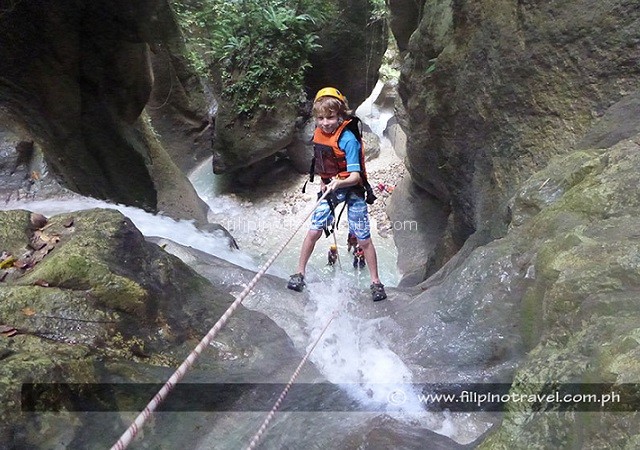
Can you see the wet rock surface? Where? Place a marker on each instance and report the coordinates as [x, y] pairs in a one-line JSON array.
[[102, 305], [494, 90]]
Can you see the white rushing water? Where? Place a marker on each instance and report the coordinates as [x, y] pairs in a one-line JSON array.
[[182, 232], [353, 353]]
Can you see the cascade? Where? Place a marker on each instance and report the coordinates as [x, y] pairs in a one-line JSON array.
[[353, 354]]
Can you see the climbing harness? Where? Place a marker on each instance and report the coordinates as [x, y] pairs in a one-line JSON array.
[[131, 432]]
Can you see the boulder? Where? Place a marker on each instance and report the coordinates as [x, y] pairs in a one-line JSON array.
[[88, 300], [241, 142], [300, 152]]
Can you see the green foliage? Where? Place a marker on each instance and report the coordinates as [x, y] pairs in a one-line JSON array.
[[258, 48], [390, 68], [379, 10]]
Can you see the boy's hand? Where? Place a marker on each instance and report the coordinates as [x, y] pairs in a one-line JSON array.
[[333, 185]]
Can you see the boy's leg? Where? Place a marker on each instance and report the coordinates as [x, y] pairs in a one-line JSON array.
[[296, 281], [308, 245], [359, 226], [371, 258], [321, 218]]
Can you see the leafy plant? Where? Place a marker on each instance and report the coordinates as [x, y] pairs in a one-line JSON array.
[[379, 10], [259, 49]]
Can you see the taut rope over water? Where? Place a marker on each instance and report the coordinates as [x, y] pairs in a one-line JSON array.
[[181, 371], [267, 420]]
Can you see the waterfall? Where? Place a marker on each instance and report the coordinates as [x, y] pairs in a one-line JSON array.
[[353, 353], [183, 232]]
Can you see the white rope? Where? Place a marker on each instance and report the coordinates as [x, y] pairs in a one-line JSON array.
[[335, 242], [180, 372], [267, 420]]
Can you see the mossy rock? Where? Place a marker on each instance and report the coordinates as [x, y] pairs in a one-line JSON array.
[[581, 312], [90, 297], [14, 231]]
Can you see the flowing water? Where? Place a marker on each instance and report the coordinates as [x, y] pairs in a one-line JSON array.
[[352, 353]]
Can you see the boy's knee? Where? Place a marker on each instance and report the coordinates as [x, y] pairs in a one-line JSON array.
[[364, 243], [314, 234]]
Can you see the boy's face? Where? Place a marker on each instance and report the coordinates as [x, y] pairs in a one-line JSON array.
[[327, 122]]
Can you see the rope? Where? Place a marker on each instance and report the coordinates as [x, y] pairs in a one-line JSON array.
[[265, 423], [166, 100], [335, 241], [181, 371]]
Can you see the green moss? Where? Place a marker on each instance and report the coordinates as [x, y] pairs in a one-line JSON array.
[[79, 272], [36, 360], [531, 315], [14, 227], [586, 198], [82, 259], [122, 294], [604, 350]]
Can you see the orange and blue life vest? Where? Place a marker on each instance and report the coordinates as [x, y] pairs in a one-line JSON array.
[[330, 159]]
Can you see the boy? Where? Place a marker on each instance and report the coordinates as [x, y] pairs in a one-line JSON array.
[[338, 160]]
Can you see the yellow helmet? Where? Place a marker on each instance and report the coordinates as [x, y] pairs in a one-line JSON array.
[[330, 92], [333, 247]]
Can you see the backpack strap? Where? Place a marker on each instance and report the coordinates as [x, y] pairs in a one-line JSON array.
[[355, 126], [312, 170]]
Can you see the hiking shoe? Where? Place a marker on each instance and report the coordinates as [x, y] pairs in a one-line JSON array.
[[296, 282], [377, 292]]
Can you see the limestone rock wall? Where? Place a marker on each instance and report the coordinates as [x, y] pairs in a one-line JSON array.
[[551, 304], [74, 79], [180, 106], [351, 52], [493, 89]]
